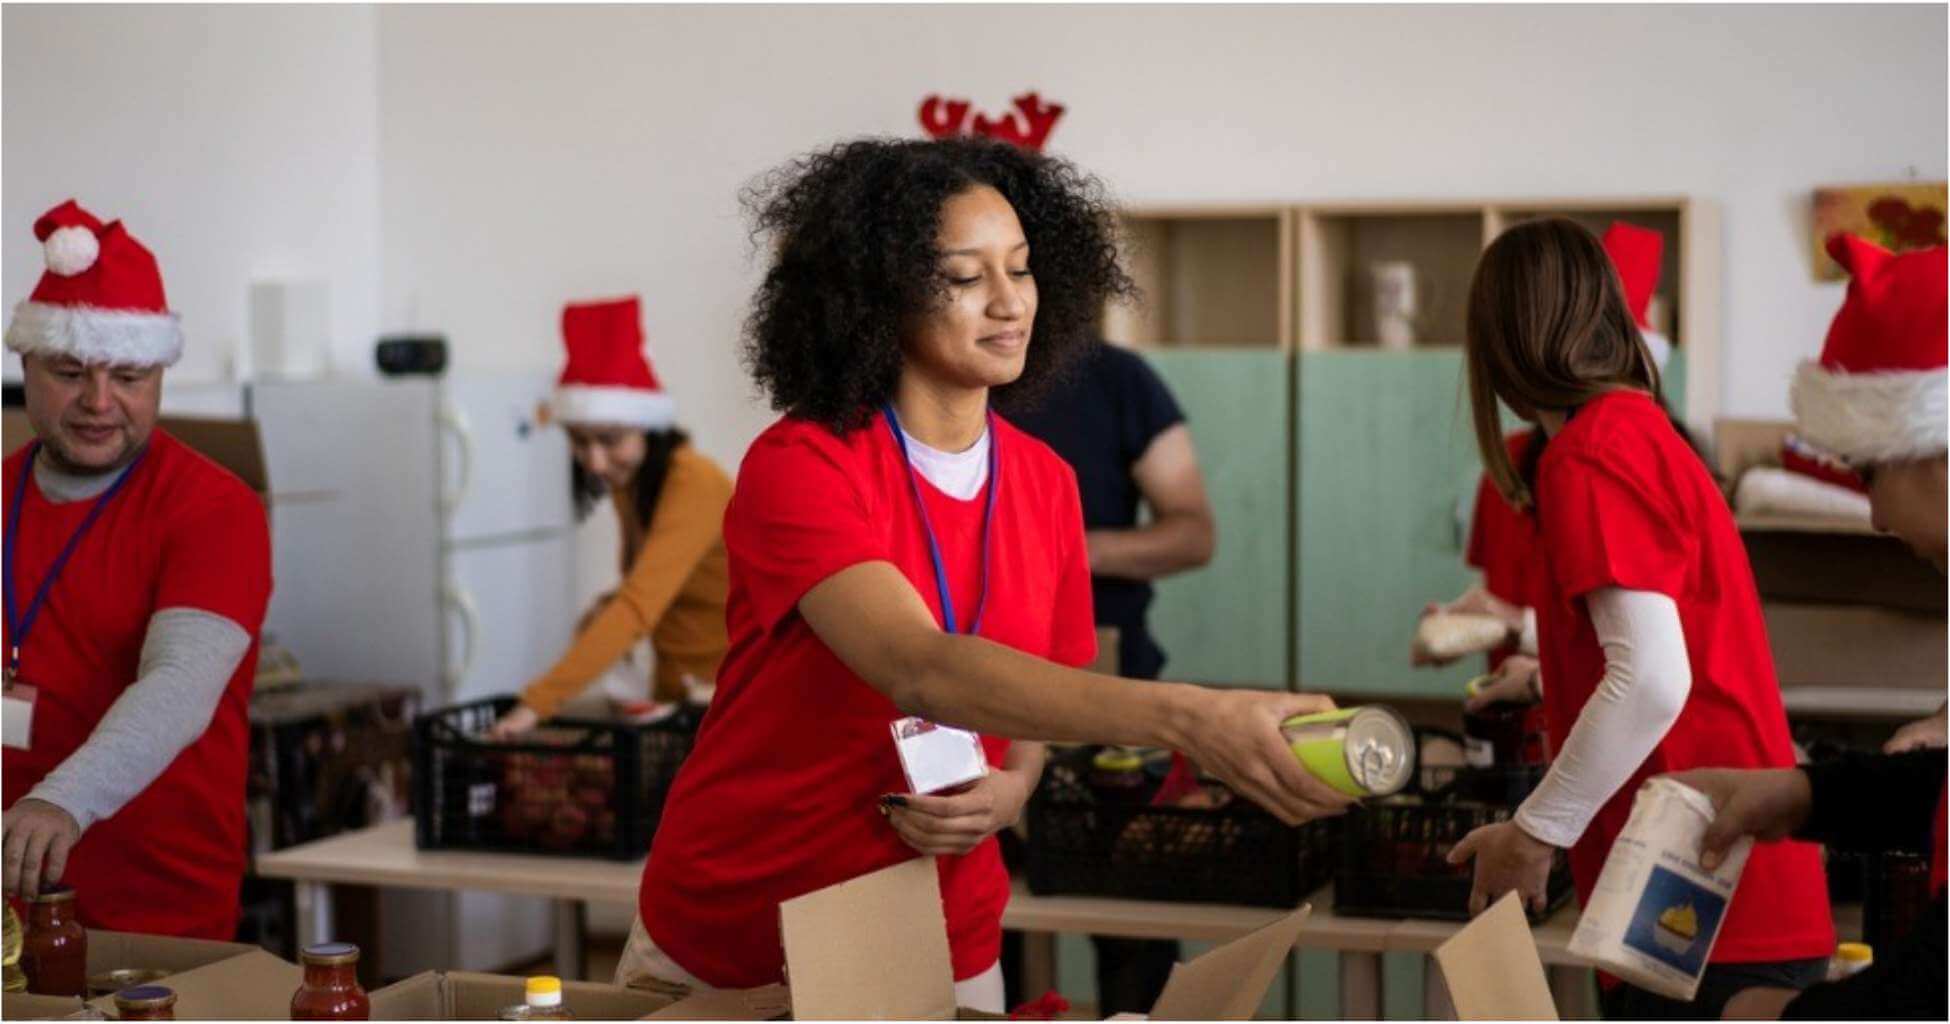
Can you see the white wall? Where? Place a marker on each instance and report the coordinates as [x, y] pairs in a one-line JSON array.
[[504, 159], [235, 142], [532, 155], [467, 169]]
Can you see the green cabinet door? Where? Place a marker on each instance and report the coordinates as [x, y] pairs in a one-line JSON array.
[[1228, 622], [1385, 462]]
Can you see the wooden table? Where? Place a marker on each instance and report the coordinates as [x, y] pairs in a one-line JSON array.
[[384, 855]]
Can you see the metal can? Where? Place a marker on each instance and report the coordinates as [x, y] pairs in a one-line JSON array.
[[1365, 751], [111, 982]]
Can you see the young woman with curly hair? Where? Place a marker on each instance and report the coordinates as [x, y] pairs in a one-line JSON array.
[[897, 548]]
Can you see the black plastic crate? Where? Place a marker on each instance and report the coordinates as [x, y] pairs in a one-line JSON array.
[[328, 757], [579, 787], [1496, 787], [1081, 844], [1394, 854]]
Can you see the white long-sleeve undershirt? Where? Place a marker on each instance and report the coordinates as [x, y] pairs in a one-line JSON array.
[[1647, 679]]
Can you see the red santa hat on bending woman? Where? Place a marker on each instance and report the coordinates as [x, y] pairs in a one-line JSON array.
[[1637, 254], [608, 380], [100, 300], [1877, 394]]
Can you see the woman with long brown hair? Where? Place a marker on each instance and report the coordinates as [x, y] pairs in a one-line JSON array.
[[1650, 629]]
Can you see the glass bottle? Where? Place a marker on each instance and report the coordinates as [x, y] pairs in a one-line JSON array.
[[15, 978], [331, 989], [1850, 958], [55, 950], [541, 1001]]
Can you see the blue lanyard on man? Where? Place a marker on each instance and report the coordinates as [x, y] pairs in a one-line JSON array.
[[949, 620], [17, 627]]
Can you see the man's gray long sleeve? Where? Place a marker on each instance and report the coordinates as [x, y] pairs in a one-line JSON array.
[[188, 657]]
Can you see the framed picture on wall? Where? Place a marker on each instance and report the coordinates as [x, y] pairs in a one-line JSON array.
[[1904, 215]]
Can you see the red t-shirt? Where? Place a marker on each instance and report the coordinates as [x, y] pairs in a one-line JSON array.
[[181, 533], [779, 797], [1503, 544], [1624, 502]]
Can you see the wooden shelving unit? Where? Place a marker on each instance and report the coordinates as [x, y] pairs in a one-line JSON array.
[[1299, 276], [1333, 460]]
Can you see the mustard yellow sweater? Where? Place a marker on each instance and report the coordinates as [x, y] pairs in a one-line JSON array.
[[673, 590]]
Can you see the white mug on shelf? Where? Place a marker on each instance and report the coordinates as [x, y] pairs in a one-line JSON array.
[[1394, 289]]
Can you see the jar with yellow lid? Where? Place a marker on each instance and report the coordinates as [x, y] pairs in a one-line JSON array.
[[541, 1000], [1850, 958]]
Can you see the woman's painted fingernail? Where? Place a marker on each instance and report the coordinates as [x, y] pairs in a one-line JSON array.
[[894, 800]]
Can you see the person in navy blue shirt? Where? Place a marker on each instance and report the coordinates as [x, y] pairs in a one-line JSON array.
[[1114, 421], [1116, 424]]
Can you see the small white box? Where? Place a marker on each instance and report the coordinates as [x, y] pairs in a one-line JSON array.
[[935, 757], [17, 716], [291, 328]]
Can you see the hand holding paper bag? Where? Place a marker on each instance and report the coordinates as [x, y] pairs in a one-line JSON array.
[[1765, 804]]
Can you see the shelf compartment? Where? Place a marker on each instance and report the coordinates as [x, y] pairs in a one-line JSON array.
[[1215, 277], [1339, 251]]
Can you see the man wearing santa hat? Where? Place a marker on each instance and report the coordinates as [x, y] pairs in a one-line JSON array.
[[136, 577], [1875, 403]]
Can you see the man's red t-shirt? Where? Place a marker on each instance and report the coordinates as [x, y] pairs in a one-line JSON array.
[[181, 533], [779, 797], [1623, 502], [1503, 544]]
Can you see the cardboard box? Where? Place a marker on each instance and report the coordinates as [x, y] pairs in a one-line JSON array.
[[115, 951], [22, 1006], [464, 995], [232, 444], [876, 948], [1492, 968], [254, 986]]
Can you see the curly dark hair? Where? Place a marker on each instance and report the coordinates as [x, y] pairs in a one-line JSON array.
[[853, 232]]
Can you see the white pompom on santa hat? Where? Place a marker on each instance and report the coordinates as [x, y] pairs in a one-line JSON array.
[[1877, 394], [100, 300], [608, 380]]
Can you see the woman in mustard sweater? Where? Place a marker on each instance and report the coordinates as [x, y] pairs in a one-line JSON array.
[[669, 501]]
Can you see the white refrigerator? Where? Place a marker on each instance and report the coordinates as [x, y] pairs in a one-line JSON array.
[[423, 532]]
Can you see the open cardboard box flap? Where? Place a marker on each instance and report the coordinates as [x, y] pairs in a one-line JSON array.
[[1493, 970], [465, 995], [114, 951], [253, 986], [232, 444], [23, 1006], [876, 948]]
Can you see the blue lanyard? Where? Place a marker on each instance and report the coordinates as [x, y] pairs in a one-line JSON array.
[[17, 627], [949, 621]]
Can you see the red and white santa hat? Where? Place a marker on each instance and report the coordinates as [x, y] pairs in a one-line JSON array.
[[1637, 254], [100, 299], [1877, 394], [608, 380]]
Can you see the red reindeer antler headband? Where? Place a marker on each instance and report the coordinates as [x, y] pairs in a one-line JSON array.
[[1028, 126]]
